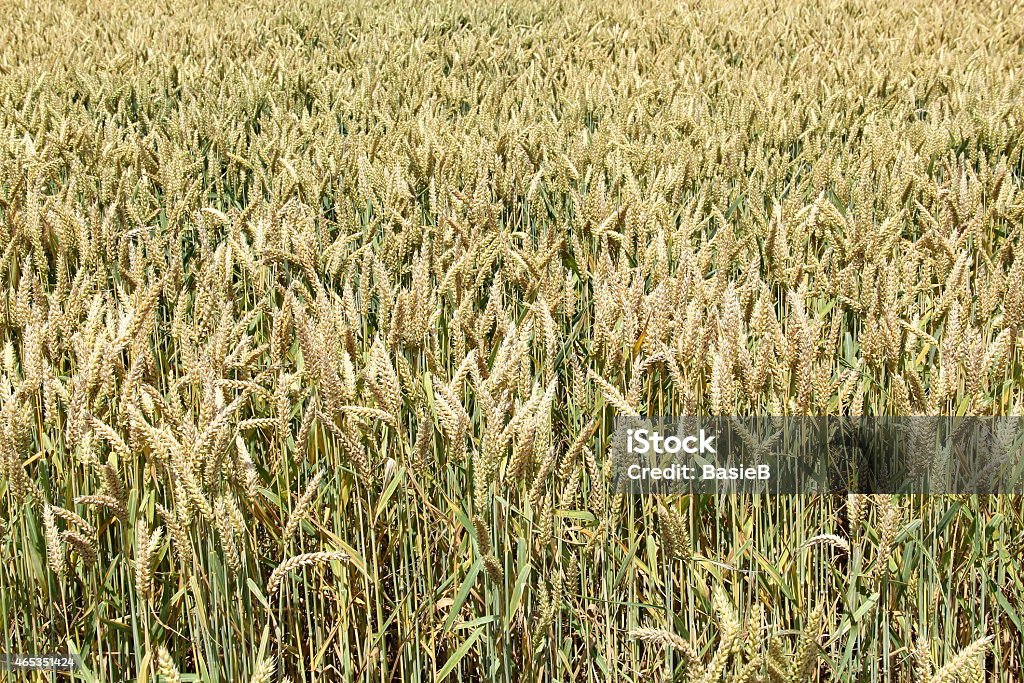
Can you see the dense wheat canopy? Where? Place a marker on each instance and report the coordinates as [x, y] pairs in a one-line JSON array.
[[315, 316]]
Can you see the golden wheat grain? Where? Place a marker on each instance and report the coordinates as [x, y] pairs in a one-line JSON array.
[[299, 561]]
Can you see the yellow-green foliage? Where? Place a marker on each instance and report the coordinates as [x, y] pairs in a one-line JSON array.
[[315, 316]]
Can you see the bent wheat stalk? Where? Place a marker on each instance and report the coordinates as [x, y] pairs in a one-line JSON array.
[[304, 560]]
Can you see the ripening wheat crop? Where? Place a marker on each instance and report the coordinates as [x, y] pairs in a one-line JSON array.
[[315, 316]]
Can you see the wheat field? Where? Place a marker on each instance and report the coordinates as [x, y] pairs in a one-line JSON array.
[[315, 318]]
